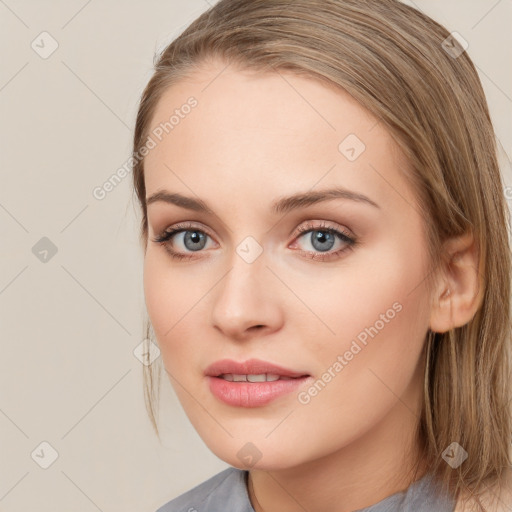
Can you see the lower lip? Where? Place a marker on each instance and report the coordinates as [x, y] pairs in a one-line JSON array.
[[252, 394]]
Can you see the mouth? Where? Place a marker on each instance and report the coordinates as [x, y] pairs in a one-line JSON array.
[[253, 383]]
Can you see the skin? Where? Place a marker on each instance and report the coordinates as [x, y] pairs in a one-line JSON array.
[[254, 138]]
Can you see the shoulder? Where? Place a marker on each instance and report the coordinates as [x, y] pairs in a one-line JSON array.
[[226, 487]]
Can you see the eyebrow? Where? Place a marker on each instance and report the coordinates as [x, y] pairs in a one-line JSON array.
[[280, 206]]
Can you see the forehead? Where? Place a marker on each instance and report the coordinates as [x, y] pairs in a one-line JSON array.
[[269, 131], [274, 102]]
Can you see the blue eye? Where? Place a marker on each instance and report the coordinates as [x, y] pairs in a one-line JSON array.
[[321, 237], [194, 240]]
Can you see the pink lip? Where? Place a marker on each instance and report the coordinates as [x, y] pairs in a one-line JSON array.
[[251, 394]]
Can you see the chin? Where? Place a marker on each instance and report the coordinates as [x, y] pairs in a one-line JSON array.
[[259, 455]]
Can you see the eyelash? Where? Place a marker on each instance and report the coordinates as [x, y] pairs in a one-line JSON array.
[[165, 236]]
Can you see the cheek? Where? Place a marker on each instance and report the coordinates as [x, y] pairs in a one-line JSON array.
[[158, 293], [378, 364], [175, 307], [167, 296], [377, 300], [379, 314], [379, 317]]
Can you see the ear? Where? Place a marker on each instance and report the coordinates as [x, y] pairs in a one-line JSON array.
[[459, 292]]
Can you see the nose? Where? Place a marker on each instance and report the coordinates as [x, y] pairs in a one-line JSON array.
[[246, 300]]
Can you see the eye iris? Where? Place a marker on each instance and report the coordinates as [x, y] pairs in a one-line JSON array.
[[324, 237], [195, 237]]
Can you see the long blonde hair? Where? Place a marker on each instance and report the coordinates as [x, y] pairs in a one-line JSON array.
[[408, 71]]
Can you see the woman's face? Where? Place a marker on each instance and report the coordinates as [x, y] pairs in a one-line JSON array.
[[284, 285]]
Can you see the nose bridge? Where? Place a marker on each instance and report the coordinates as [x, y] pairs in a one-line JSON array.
[[242, 286], [245, 296]]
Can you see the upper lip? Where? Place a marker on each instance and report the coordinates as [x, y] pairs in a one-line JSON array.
[[249, 367]]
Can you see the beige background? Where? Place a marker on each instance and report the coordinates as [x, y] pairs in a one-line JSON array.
[[69, 326]]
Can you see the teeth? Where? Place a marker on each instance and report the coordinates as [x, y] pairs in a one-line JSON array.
[[263, 377], [257, 378]]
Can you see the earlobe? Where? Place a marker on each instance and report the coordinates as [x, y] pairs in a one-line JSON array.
[[460, 290]]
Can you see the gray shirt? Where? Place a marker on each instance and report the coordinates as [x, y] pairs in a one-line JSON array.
[[227, 492]]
